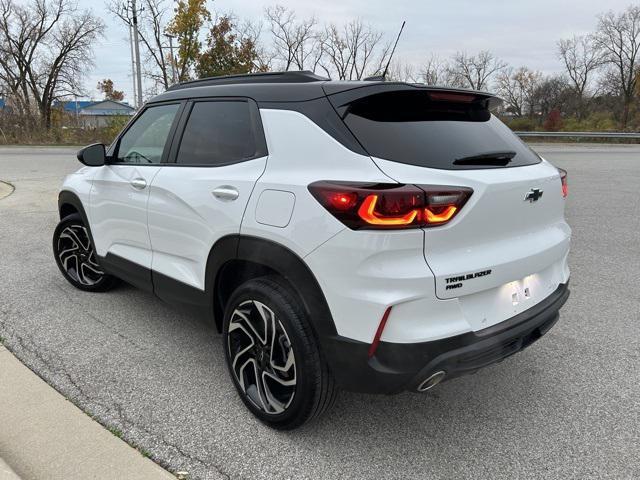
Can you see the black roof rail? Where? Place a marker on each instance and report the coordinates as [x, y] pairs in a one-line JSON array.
[[297, 76]]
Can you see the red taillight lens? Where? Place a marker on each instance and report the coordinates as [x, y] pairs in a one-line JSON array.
[[563, 179], [390, 206], [390, 210], [343, 201]]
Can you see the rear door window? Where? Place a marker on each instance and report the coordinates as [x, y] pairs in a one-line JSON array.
[[218, 133], [455, 133]]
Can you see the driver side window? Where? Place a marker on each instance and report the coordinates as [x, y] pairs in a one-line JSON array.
[[143, 143]]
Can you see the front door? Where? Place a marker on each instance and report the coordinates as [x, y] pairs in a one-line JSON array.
[[120, 192]]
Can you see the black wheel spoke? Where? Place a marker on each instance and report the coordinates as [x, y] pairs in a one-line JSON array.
[[65, 255], [73, 235]]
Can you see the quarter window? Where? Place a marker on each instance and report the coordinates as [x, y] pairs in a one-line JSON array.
[[144, 141], [218, 133]]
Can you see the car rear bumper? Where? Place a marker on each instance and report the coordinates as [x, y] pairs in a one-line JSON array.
[[396, 367]]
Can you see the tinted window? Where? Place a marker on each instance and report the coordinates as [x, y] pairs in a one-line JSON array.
[[144, 141], [217, 133], [410, 127]]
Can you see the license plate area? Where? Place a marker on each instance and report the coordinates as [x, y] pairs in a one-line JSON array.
[[490, 307]]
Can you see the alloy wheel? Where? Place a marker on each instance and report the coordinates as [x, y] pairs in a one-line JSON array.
[[77, 256], [261, 357]]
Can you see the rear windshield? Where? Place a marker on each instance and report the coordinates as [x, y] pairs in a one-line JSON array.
[[411, 127]]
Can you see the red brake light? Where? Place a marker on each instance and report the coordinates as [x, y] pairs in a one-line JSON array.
[[563, 179], [452, 97], [343, 201], [390, 206]]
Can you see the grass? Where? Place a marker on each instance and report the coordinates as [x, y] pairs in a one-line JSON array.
[[115, 431], [143, 452]]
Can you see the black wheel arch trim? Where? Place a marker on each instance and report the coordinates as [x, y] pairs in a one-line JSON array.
[[65, 197], [266, 253], [281, 260]]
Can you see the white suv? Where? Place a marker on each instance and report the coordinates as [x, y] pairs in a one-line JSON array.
[[371, 236]]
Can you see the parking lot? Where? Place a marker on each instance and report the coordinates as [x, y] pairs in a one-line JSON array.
[[568, 407]]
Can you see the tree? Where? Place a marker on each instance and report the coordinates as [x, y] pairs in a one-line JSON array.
[[618, 38], [190, 16], [400, 71], [106, 87], [553, 93], [151, 29], [354, 51], [434, 71], [228, 52], [475, 71], [45, 47], [295, 43], [581, 59], [518, 88]]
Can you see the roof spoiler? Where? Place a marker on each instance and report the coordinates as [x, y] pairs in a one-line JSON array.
[[342, 94]]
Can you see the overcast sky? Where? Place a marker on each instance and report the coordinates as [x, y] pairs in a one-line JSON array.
[[520, 32]]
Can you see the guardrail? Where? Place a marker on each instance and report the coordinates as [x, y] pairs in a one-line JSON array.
[[631, 135]]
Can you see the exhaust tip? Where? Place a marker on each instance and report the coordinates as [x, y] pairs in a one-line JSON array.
[[431, 381]]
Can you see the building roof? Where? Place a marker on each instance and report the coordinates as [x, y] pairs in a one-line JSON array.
[[107, 107], [72, 105], [2, 103], [102, 107]]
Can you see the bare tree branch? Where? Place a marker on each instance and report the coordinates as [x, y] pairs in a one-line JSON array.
[[44, 49], [618, 38], [475, 71], [353, 53], [152, 26], [581, 59]]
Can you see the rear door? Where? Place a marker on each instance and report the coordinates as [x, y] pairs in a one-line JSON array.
[[200, 196], [506, 249]]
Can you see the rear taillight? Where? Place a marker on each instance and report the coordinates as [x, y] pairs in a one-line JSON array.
[[390, 206], [563, 179]]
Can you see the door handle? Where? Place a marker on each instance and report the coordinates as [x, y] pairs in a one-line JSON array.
[[138, 183], [226, 193]]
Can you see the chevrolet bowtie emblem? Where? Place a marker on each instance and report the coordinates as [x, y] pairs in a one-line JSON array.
[[533, 195]]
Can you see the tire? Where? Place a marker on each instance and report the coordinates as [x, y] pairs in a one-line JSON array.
[[76, 258], [296, 385]]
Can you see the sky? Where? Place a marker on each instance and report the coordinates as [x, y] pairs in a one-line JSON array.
[[520, 32]]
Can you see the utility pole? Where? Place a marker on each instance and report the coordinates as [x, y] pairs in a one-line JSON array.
[[136, 46], [133, 67], [173, 62]]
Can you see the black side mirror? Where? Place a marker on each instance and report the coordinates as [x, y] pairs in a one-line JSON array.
[[93, 155]]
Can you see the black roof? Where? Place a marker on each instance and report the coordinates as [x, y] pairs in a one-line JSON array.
[[293, 86]]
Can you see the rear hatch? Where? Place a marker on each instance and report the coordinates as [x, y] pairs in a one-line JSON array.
[[507, 246]]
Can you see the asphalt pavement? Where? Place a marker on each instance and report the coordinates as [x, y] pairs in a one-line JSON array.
[[568, 407]]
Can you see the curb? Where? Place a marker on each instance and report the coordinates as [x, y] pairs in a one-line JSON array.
[[43, 435], [6, 189], [6, 473]]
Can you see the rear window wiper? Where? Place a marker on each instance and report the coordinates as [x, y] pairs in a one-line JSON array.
[[497, 159]]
